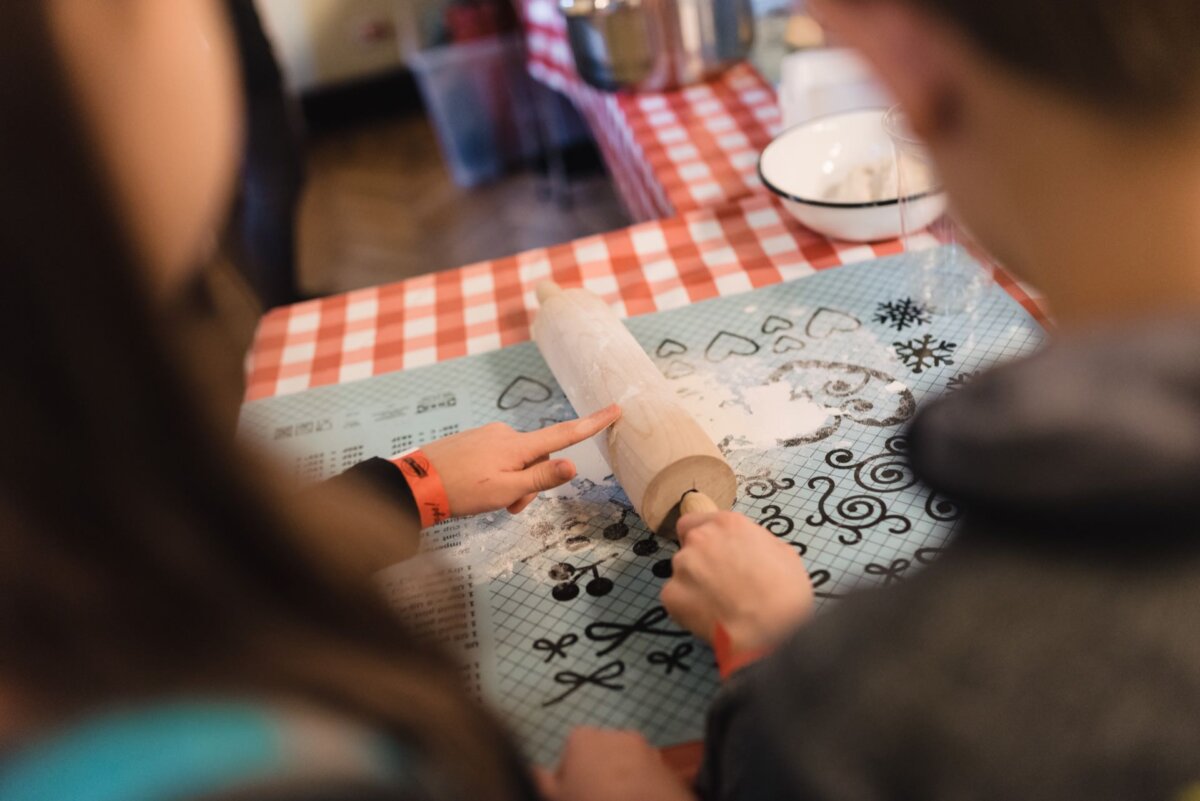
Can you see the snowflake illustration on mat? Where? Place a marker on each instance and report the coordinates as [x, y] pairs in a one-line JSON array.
[[901, 314], [925, 352], [961, 380]]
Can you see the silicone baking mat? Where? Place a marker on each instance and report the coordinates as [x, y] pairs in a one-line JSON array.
[[807, 386]]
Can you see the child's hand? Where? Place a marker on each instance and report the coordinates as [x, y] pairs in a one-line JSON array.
[[732, 571], [606, 765], [495, 467]]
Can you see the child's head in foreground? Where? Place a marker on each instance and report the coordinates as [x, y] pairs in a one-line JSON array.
[[1067, 132]]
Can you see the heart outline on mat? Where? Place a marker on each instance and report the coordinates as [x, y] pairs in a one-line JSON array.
[[727, 344], [775, 323], [788, 343], [678, 369], [523, 389], [670, 347], [820, 328]]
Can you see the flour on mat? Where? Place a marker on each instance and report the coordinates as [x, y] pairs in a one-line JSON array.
[[756, 416]]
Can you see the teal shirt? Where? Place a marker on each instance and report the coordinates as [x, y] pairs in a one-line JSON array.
[[192, 749]]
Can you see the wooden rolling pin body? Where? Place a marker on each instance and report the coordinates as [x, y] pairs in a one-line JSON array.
[[657, 451]]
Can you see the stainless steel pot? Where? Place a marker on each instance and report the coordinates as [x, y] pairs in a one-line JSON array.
[[654, 45]]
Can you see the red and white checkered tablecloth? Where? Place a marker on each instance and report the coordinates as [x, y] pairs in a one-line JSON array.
[[668, 152], [657, 265], [549, 52], [663, 264], [643, 195], [702, 143]]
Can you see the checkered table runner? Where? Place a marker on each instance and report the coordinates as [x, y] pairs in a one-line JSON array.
[[702, 142], [668, 152], [653, 266]]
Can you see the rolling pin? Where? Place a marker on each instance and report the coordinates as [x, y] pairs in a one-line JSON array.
[[660, 455]]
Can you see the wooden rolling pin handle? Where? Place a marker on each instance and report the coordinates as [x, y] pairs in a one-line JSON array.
[[546, 290], [697, 503]]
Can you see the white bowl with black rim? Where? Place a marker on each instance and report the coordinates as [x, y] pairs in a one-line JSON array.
[[810, 167]]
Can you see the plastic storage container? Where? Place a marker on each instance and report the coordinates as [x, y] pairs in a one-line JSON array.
[[482, 104]]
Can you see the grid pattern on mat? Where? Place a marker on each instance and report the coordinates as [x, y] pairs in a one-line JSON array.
[[787, 332]]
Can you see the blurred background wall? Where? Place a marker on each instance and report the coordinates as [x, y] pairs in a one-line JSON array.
[[324, 42]]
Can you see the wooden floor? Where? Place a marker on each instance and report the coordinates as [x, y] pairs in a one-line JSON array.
[[380, 207]]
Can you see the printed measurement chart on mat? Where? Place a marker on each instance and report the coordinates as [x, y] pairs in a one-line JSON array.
[[806, 387]]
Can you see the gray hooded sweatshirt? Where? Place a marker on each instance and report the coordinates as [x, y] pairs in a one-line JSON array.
[[1054, 650]]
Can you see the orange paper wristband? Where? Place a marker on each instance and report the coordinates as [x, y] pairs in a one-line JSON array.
[[427, 488], [730, 661]]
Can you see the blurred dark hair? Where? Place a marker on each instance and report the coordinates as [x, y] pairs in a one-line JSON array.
[[137, 558], [1125, 55]]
